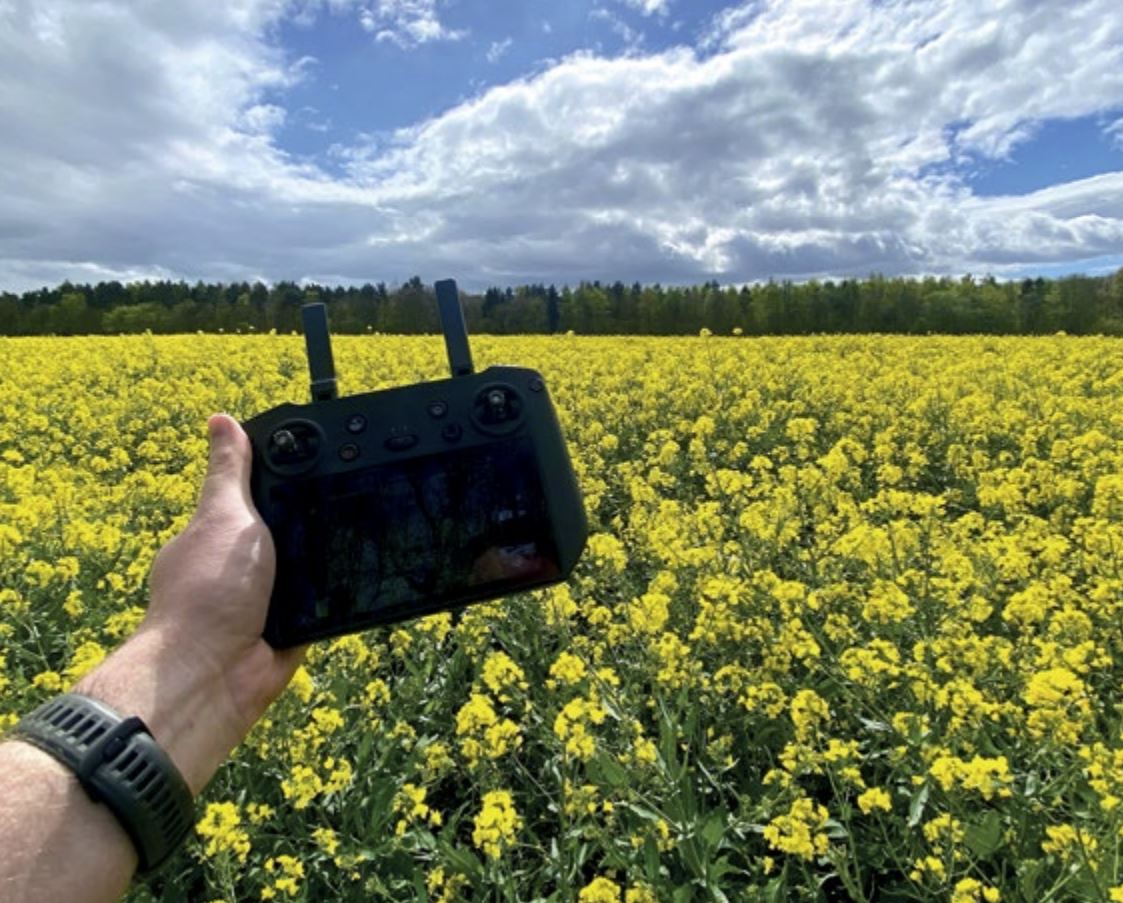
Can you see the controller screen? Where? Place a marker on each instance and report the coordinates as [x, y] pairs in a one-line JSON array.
[[379, 543]]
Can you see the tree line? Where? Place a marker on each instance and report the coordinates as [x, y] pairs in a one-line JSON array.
[[1073, 304]]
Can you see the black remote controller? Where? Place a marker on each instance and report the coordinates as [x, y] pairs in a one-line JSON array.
[[412, 500]]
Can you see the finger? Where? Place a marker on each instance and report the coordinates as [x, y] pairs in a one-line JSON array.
[[229, 465]]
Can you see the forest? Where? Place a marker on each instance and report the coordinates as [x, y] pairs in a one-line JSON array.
[[1078, 305]]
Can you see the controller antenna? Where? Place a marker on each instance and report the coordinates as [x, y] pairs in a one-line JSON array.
[[318, 343], [452, 322]]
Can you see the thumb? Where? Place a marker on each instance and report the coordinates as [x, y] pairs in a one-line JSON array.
[[228, 468]]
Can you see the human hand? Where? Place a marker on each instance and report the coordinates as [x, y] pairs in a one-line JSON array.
[[197, 670]]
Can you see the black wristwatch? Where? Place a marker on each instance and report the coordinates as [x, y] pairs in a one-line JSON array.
[[117, 763]]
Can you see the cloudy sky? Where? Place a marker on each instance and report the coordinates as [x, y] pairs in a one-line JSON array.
[[507, 141]]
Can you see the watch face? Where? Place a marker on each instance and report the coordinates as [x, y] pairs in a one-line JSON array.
[[388, 542]]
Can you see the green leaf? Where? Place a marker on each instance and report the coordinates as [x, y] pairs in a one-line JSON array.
[[581, 856], [651, 862], [642, 811], [668, 744], [836, 830], [683, 805], [1028, 879], [1083, 886], [463, 861], [774, 890], [984, 837], [691, 725], [916, 806], [693, 856], [419, 887], [605, 770], [713, 830]]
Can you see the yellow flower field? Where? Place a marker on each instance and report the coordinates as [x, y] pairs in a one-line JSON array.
[[849, 625]]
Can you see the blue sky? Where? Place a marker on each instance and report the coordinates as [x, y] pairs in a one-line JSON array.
[[1057, 151], [506, 142], [360, 86]]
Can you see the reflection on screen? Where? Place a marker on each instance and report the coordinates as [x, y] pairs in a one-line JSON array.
[[386, 539]]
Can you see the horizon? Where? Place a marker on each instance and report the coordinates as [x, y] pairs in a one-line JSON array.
[[975, 278]]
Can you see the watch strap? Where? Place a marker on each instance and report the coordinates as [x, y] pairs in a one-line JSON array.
[[118, 763]]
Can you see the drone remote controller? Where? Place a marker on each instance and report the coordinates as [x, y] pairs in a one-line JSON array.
[[399, 503]]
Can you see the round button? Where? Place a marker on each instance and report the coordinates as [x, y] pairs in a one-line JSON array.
[[349, 452], [437, 409], [356, 423], [536, 384], [452, 432]]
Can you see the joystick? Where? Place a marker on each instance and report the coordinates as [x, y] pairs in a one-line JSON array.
[[497, 408], [388, 505], [293, 447]]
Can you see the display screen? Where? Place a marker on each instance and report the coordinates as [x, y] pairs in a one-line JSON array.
[[385, 542]]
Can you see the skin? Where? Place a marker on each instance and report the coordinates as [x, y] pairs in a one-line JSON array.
[[196, 670]]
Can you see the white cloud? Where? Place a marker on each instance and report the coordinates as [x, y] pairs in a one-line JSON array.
[[806, 137], [25, 274], [1115, 130], [498, 50], [406, 22], [632, 38], [799, 147], [262, 119], [649, 7]]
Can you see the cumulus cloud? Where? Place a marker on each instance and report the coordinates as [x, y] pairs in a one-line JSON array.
[[800, 146], [799, 138], [406, 22]]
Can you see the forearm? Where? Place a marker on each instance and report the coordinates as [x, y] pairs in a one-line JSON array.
[[58, 845], [183, 699]]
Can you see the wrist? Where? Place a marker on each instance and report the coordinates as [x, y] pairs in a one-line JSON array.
[[182, 701], [98, 855], [119, 764]]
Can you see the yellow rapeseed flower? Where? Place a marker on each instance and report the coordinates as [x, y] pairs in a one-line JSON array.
[[600, 890], [874, 798], [497, 824], [221, 827]]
